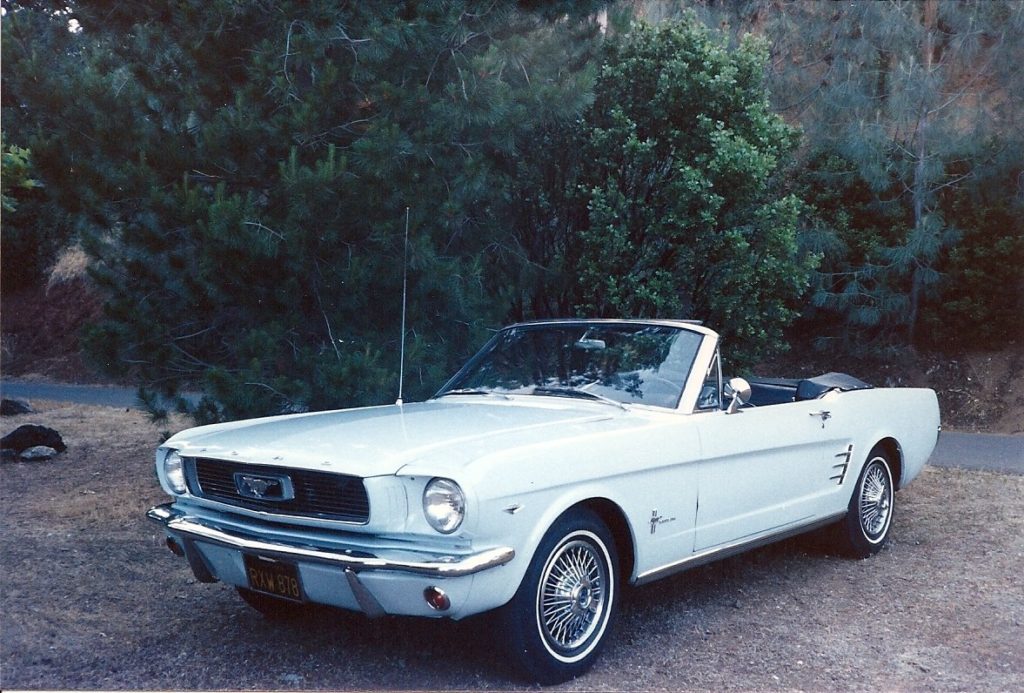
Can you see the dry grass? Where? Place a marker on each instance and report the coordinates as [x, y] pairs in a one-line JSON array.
[[72, 264], [91, 599]]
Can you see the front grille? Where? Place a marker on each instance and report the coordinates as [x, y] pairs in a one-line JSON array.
[[317, 494]]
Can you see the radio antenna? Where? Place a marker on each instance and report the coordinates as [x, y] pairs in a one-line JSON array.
[[405, 288]]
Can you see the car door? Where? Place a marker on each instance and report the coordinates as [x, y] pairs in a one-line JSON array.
[[765, 469]]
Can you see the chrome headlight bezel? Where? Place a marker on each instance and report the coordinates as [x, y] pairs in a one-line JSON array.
[[444, 505], [174, 472]]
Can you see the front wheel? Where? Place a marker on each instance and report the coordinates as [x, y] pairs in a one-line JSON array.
[[865, 529], [558, 619]]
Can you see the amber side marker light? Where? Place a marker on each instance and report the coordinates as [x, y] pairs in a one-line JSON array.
[[437, 599]]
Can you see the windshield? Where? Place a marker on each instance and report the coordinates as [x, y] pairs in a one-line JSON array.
[[622, 362]]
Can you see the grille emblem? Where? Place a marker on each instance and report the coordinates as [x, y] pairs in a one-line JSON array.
[[273, 487]]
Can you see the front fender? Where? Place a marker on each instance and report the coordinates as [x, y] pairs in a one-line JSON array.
[[528, 519]]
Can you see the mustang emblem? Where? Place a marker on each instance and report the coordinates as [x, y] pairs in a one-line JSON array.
[[264, 486], [657, 519]]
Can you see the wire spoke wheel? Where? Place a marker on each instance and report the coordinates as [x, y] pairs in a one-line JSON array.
[[875, 500], [572, 595], [559, 618], [865, 529]]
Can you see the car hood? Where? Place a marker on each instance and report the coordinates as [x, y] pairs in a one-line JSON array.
[[375, 441]]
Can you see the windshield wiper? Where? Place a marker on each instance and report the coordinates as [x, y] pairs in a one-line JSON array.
[[578, 394], [472, 391]]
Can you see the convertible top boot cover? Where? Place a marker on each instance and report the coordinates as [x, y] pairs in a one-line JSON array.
[[813, 388]]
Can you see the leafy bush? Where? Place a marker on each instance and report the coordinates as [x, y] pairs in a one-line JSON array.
[[685, 214], [26, 248]]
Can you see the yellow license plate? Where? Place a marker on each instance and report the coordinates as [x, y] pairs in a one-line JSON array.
[[273, 577]]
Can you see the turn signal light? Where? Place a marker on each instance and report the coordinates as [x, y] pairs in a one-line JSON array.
[[437, 599]]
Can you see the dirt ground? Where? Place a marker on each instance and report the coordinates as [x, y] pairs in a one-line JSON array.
[[91, 599], [48, 347]]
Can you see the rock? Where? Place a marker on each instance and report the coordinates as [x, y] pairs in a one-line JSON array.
[[37, 453], [31, 435], [13, 407]]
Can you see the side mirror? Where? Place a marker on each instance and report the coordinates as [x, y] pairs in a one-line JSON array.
[[739, 390]]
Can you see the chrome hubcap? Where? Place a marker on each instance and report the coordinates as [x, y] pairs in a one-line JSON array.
[[573, 595], [875, 501], [582, 596]]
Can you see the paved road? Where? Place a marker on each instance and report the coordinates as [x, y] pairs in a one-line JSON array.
[[102, 395], [998, 453], [1001, 453]]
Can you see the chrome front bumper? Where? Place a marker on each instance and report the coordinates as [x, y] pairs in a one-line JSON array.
[[187, 527]]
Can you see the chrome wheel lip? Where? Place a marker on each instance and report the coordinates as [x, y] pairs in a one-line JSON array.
[[574, 596], [874, 501]]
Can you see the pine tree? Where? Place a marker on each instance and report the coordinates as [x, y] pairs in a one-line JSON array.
[[246, 170], [907, 107]]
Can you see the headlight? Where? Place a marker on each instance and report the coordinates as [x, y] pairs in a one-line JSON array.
[[174, 471], [444, 505]]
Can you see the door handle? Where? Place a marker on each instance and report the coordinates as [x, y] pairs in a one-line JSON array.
[[824, 415]]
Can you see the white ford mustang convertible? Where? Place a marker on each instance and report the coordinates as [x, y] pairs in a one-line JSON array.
[[567, 459]]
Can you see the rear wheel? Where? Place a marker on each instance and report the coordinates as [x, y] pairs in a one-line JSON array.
[[865, 530], [559, 618]]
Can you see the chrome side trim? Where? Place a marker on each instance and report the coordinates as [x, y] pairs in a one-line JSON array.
[[197, 529], [717, 553]]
